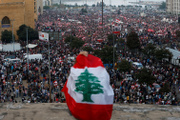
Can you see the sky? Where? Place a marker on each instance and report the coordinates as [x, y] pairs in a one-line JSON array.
[[107, 2]]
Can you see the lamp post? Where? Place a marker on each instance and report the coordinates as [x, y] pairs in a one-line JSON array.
[[113, 51], [13, 33], [27, 53], [102, 14], [49, 70], [1, 29]]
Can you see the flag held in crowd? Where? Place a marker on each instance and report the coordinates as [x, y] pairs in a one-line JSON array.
[[89, 95], [43, 36]]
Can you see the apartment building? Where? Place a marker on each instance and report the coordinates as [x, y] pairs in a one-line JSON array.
[[173, 6], [47, 2]]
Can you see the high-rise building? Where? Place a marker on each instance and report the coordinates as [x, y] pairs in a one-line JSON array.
[[39, 6], [46, 2], [14, 13], [173, 6], [56, 2]]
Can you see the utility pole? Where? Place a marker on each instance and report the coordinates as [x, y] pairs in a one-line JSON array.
[[102, 13], [27, 53], [49, 70], [13, 34], [1, 30], [113, 51]]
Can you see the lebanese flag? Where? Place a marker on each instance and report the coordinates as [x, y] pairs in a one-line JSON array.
[[116, 32], [89, 95], [83, 38], [60, 60], [4, 82], [55, 83], [99, 40], [118, 20]]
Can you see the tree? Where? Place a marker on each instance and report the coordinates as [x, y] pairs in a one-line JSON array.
[[119, 12], [106, 54], [145, 77], [163, 5], [77, 43], [74, 42], [97, 53], [110, 39], [88, 84], [93, 5], [46, 7], [121, 43], [133, 41], [32, 34], [83, 11], [124, 66], [149, 50], [165, 88], [161, 54], [68, 39], [6, 36], [178, 33], [88, 49]]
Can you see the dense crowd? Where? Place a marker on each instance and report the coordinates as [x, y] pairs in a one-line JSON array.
[[18, 83]]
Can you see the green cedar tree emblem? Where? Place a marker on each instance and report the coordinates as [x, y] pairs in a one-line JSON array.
[[87, 84]]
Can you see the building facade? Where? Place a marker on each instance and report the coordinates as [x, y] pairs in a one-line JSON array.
[[46, 2], [39, 6], [56, 2], [173, 6], [14, 13]]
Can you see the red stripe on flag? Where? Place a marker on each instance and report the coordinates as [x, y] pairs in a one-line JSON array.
[[90, 61], [84, 111], [116, 32]]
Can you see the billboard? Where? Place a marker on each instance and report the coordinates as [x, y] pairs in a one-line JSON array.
[[43, 36]]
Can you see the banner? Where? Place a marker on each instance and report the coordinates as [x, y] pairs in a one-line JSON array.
[[43, 36]]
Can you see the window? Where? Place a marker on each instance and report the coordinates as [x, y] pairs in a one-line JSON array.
[[5, 20]]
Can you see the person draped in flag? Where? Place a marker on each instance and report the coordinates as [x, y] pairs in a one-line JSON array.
[[88, 93]]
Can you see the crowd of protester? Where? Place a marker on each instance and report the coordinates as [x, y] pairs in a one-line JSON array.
[[22, 84]]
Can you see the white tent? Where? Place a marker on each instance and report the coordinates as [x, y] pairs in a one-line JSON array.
[[11, 47], [1, 46], [79, 22], [31, 45], [176, 56]]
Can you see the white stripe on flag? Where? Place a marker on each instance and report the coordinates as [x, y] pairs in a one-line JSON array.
[[103, 98]]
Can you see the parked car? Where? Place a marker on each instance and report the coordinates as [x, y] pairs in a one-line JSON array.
[[157, 87], [11, 61], [137, 65], [128, 77]]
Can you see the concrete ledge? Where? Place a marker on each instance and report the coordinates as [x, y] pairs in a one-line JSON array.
[[60, 111]]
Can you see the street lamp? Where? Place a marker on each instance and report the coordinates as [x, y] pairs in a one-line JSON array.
[[113, 51], [1, 29], [13, 33], [102, 14], [27, 53]]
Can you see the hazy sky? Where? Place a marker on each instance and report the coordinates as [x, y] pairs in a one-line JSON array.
[[107, 2]]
